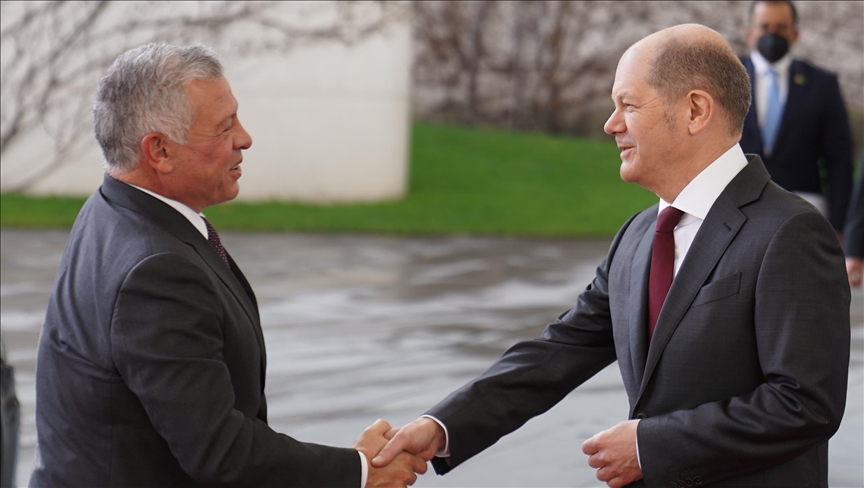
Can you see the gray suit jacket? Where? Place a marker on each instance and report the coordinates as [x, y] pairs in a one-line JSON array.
[[745, 378], [151, 363]]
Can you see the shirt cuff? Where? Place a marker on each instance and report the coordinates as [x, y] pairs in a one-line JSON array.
[[638, 459], [364, 469], [443, 453]]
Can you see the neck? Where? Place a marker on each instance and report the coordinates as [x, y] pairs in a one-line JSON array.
[[146, 178], [700, 158]]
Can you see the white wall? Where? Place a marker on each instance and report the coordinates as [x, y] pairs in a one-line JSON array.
[[329, 123]]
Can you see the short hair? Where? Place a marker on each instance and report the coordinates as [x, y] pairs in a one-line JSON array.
[[143, 92], [684, 65], [790, 4]]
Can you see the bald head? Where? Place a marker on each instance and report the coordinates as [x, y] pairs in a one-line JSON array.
[[693, 57]]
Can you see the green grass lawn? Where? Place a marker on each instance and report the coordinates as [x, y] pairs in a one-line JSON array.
[[463, 181]]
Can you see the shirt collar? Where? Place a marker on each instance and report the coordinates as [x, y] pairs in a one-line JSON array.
[[761, 65], [195, 218], [699, 195]]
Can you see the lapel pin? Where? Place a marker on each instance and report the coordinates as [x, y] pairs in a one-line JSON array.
[[800, 80]]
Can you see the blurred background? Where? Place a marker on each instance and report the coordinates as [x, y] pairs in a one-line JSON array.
[[430, 176]]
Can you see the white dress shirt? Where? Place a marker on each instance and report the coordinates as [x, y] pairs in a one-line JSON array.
[[197, 220], [697, 198]]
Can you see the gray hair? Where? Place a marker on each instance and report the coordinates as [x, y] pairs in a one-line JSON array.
[[143, 92]]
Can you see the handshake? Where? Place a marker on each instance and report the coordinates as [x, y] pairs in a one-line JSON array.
[[397, 454]]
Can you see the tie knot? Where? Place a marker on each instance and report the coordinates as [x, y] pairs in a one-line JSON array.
[[668, 219]]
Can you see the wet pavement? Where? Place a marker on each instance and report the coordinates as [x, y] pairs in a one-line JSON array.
[[367, 327]]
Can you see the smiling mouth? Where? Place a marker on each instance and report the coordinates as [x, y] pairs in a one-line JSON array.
[[236, 168]]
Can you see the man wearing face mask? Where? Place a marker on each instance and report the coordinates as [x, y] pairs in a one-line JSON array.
[[798, 116]]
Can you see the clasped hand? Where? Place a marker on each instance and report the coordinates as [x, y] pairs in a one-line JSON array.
[[403, 469], [612, 452]]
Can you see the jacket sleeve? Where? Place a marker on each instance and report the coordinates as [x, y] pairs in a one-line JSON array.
[[168, 343], [532, 376], [801, 326]]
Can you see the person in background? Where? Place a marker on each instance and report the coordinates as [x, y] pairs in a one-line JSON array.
[[151, 362], [854, 232], [725, 304], [798, 116]]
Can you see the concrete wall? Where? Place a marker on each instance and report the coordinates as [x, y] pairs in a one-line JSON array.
[[329, 122]]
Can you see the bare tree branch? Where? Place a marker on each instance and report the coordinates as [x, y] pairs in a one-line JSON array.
[[53, 53]]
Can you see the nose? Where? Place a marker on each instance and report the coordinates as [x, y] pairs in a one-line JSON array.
[[243, 139], [615, 124]]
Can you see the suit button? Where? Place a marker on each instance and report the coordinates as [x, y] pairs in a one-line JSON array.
[[698, 480], [641, 415], [673, 484], [681, 484], [689, 482]]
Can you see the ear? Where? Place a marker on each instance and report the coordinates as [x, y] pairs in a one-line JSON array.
[[155, 148], [794, 36], [750, 36], [702, 111]]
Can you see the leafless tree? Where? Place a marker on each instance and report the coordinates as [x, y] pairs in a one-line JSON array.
[[549, 65], [54, 52]]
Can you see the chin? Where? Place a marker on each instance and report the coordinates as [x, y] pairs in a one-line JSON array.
[[628, 173]]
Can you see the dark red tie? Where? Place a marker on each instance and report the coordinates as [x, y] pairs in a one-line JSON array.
[[662, 264], [213, 237]]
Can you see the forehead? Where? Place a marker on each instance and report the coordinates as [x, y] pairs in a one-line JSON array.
[[631, 75], [211, 99], [773, 13]]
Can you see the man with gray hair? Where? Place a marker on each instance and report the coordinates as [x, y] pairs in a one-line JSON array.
[[151, 361], [725, 304]]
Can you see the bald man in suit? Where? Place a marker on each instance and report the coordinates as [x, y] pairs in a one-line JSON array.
[[726, 304]]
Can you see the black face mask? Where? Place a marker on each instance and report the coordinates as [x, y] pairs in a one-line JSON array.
[[773, 47]]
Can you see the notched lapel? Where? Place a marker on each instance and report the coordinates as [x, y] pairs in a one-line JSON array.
[[795, 94], [227, 276], [721, 225], [234, 280], [639, 270]]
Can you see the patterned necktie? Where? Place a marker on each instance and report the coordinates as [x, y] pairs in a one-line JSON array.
[[773, 113], [213, 237], [662, 264]]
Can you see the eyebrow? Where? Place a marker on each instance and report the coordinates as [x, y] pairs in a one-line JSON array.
[[620, 95]]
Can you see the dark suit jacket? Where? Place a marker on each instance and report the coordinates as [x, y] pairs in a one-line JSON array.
[[745, 378], [853, 232], [815, 126], [151, 363]]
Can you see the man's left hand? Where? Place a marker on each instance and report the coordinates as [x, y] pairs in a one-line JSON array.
[[613, 453]]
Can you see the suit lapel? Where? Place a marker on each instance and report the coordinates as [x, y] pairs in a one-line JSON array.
[[176, 224], [719, 228], [259, 334], [640, 267], [716, 233], [794, 96]]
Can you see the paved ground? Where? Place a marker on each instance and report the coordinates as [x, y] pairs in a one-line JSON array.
[[362, 327]]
